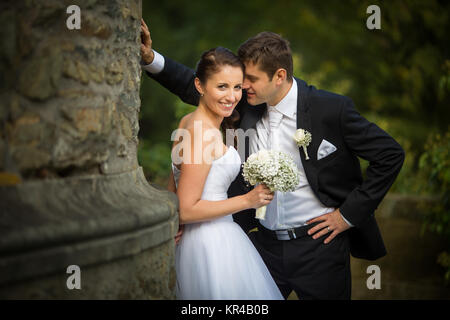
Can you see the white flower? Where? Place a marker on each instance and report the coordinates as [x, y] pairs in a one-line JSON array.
[[252, 157], [303, 138], [275, 169], [299, 135], [263, 155]]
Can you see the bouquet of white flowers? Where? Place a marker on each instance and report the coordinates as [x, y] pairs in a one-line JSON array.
[[275, 169]]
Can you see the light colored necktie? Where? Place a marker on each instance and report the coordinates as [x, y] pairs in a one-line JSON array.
[[274, 122]]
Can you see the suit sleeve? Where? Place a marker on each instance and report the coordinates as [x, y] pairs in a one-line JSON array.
[[179, 80], [385, 157]]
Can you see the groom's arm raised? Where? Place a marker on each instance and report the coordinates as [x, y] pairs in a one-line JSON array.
[[178, 79], [174, 76]]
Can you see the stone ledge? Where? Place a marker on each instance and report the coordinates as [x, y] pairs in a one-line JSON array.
[[50, 224], [53, 212], [56, 259], [147, 275]]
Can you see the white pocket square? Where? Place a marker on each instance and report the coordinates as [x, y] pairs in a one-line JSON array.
[[325, 149]]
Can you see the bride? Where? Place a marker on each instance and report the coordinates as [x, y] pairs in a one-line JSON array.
[[214, 258]]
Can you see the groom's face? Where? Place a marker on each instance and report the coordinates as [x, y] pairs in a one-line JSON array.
[[260, 88]]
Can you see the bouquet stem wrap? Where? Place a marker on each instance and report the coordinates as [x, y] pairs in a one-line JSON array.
[[261, 213]]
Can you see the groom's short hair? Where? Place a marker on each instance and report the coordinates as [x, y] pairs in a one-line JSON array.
[[270, 51]]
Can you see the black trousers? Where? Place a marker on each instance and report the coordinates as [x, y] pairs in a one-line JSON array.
[[312, 269]]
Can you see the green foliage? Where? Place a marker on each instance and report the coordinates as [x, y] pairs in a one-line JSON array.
[[435, 162], [155, 161], [411, 135], [444, 260]]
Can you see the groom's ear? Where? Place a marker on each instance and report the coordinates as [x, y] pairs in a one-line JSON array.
[[198, 86], [280, 76]]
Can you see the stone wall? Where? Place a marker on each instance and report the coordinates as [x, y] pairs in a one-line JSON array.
[[72, 96], [71, 188]]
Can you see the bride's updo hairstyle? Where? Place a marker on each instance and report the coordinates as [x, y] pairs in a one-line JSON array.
[[210, 63]]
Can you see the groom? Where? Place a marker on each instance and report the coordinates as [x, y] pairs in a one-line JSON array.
[[308, 235]]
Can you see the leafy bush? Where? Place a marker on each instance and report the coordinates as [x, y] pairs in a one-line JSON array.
[[435, 162], [155, 160]]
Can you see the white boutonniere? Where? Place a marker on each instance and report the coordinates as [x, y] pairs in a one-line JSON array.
[[302, 139]]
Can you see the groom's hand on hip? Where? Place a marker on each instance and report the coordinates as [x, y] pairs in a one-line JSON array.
[[331, 223]]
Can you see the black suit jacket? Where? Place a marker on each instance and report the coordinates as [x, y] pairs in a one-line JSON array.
[[336, 179]]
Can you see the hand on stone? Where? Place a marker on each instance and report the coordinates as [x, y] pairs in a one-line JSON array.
[[147, 54]]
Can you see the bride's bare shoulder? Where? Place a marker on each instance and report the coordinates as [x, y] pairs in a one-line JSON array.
[[192, 120], [199, 131], [194, 126], [185, 121]]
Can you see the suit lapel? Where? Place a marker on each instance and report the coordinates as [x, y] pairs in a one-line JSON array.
[[304, 122], [303, 115]]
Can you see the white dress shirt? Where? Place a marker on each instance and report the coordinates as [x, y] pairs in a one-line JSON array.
[[157, 64]]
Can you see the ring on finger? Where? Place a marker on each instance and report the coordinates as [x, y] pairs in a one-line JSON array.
[[328, 228]]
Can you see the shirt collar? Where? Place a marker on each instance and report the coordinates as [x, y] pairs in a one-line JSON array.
[[288, 105]]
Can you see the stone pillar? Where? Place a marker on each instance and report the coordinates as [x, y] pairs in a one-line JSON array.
[[71, 189]]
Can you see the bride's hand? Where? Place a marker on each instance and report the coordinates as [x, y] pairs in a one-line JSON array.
[[260, 196], [179, 233]]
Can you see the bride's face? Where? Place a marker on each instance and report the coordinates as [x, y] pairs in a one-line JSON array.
[[222, 90]]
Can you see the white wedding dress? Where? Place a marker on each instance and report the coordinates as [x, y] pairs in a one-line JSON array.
[[215, 259]]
